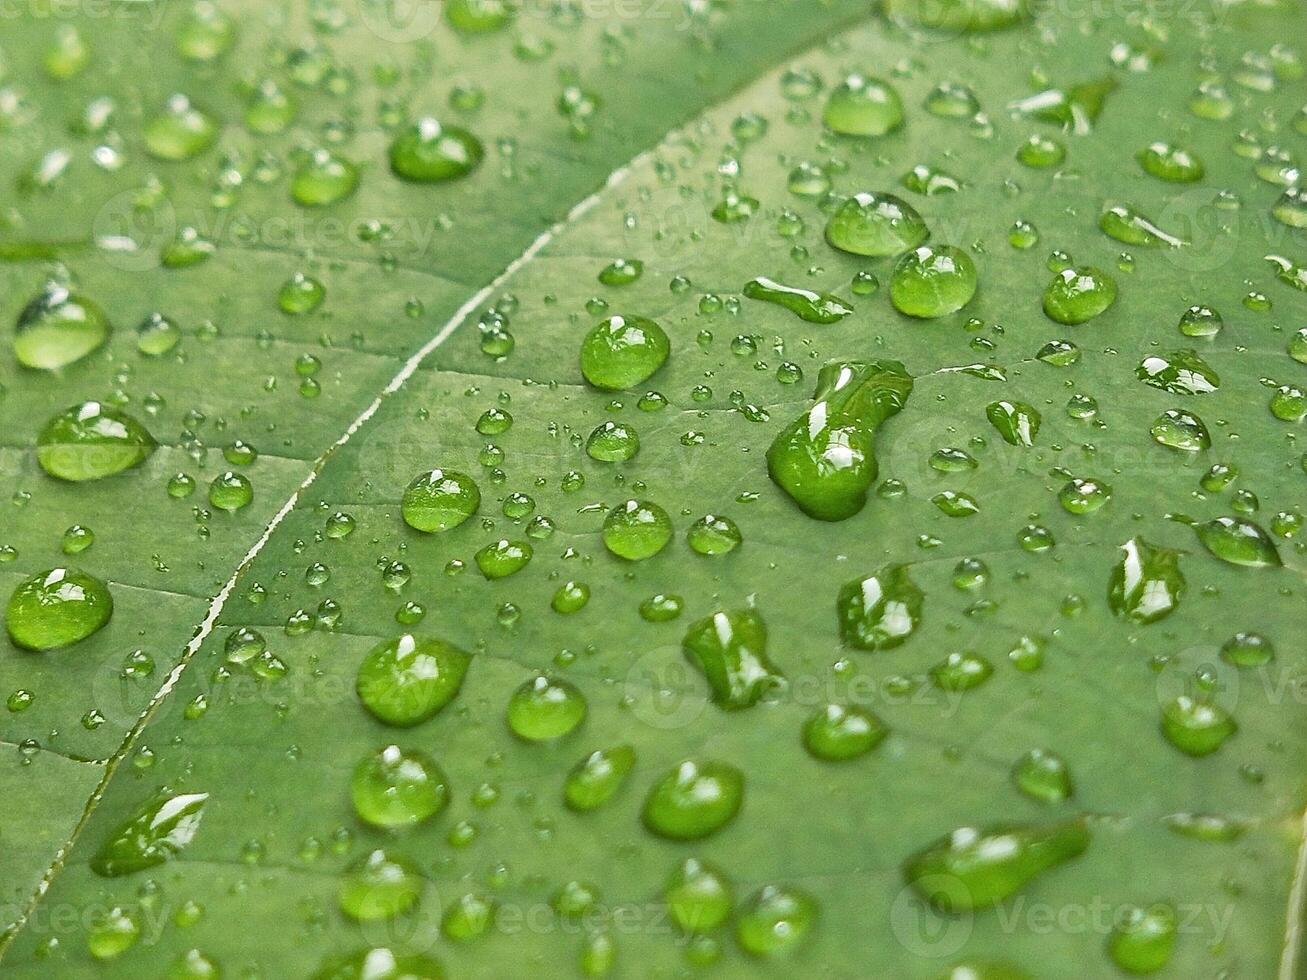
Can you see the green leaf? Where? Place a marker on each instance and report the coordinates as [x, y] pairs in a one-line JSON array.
[[448, 307]]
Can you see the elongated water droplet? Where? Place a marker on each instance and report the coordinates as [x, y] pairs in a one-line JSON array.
[[1238, 541], [975, 867], [155, 833], [953, 16], [730, 649], [1127, 224], [1017, 422], [91, 441], [824, 460], [1181, 372], [1170, 163], [807, 305]]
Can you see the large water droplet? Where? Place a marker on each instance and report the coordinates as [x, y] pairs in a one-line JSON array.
[[933, 281], [730, 649], [881, 611], [432, 152], [694, 800], [824, 459], [1146, 583], [57, 608], [395, 787], [975, 867], [623, 351], [155, 833], [806, 304], [406, 680], [875, 224], [91, 441], [57, 328]]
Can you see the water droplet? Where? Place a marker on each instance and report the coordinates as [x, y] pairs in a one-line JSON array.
[[713, 535], [961, 671], [1084, 496], [231, 491], [698, 896], [774, 920], [975, 867], [1196, 727], [694, 800], [612, 442], [1017, 422], [1239, 542], [91, 441], [730, 650], [1170, 163], [57, 608], [181, 131], [323, 179], [824, 459], [875, 224], [1143, 939], [396, 787], [155, 833], [636, 530], [407, 680], [379, 885], [1146, 583], [432, 152], [440, 500], [543, 709], [156, 335], [57, 328], [1181, 372], [1178, 429], [1201, 321], [623, 351], [932, 281], [881, 611], [503, 558], [807, 305], [1079, 294], [1127, 224], [834, 733], [1042, 775], [1248, 650], [953, 16], [113, 932], [863, 106], [597, 778], [301, 294]]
